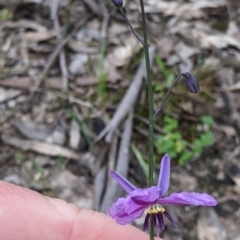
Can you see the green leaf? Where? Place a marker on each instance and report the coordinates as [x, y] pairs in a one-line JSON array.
[[185, 156], [197, 146], [5, 15], [34, 163], [166, 72], [208, 120], [180, 145], [207, 139], [140, 159], [170, 124], [165, 145], [169, 81], [162, 66], [174, 136]]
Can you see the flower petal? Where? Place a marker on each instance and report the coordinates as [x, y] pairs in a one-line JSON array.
[[189, 198], [191, 82], [125, 184], [127, 209], [117, 3], [164, 175], [119, 213], [146, 196], [141, 199]]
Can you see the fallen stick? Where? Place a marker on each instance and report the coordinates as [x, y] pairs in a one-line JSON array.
[[40, 147], [40, 78], [127, 102], [113, 190]]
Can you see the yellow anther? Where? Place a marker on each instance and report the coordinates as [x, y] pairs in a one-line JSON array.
[[160, 209], [155, 209]]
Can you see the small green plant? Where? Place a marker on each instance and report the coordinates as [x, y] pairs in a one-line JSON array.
[[19, 158], [206, 137], [142, 160], [87, 133], [5, 15], [168, 76], [179, 148], [60, 162], [37, 168]]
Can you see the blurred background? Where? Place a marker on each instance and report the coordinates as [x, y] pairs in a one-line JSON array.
[[73, 103]]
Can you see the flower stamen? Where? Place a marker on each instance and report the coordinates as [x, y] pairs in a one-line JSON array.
[[155, 209], [157, 212]]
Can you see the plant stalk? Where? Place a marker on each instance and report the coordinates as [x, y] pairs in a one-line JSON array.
[[158, 111], [150, 104], [130, 25]]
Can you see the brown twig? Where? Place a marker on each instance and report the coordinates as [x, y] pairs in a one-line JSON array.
[[127, 102], [113, 189], [62, 57], [40, 79], [94, 6]]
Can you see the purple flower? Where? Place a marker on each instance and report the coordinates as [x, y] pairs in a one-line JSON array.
[[191, 83], [117, 3], [127, 209]]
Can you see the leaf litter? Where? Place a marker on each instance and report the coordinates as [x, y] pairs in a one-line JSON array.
[[51, 63]]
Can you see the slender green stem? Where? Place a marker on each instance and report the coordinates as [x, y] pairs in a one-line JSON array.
[[140, 39], [150, 103], [150, 96], [158, 111]]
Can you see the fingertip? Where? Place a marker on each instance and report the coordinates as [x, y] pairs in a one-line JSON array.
[[25, 214], [94, 225]]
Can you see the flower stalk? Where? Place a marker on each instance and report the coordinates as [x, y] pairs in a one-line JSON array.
[[150, 106], [191, 84], [149, 201], [140, 39]]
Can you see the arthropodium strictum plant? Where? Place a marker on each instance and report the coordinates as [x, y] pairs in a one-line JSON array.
[[151, 199]]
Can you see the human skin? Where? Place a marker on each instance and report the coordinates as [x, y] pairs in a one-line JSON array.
[[28, 215]]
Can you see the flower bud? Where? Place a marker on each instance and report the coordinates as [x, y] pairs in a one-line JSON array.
[[191, 83], [118, 3]]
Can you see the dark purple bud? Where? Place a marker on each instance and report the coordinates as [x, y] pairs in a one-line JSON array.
[[191, 83], [118, 3]]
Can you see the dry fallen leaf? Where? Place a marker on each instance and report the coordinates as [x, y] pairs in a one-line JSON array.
[[78, 64], [86, 81], [74, 135], [30, 24], [40, 36], [80, 47], [188, 10], [8, 94], [123, 54], [228, 130], [232, 87], [209, 226], [40, 147], [48, 133], [19, 82]]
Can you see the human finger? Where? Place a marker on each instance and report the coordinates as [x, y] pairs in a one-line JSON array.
[[26, 214]]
